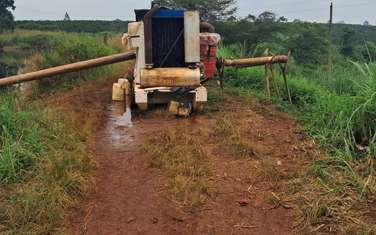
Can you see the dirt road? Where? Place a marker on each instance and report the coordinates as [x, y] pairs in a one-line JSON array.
[[131, 197]]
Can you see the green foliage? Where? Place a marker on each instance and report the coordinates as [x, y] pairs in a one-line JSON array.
[[338, 108], [77, 26], [6, 16], [28, 40], [70, 48], [249, 34], [55, 48], [43, 165], [310, 46], [210, 10], [309, 42]]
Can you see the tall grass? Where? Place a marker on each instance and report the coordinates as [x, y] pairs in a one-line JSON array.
[[58, 48], [44, 166], [338, 109], [44, 163], [71, 48]]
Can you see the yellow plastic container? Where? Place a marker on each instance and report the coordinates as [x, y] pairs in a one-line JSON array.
[[118, 92]]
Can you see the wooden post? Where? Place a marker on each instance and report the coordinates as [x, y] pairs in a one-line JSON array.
[[283, 69], [330, 62], [83, 65], [266, 77], [275, 83]]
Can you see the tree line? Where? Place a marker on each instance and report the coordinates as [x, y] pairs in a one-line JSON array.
[[309, 42]]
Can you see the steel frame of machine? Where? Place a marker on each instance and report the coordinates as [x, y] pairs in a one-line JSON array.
[[173, 81]]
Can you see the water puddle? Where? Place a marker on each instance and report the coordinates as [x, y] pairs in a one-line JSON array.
[[121, 115], [126, 119], [119, 126]]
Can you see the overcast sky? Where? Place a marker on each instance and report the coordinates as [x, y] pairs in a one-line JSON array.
[[350, 11]]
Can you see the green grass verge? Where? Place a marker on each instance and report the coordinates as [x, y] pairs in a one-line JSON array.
[[338, 109], [44, 167]]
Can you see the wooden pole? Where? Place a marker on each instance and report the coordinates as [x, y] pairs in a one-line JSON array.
[[283, 69], [275, 83], [258, 61], [112, 59], [266, 77], [330, 62]]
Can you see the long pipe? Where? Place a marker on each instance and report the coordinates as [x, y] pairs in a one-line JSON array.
[[256, 61], [112, 59]]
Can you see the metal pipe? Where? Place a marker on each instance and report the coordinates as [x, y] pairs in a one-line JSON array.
[[112, 59], [207, 26], [249, 62], [148, 30]]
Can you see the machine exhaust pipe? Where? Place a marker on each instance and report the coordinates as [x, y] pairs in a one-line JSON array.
[[83, 65]]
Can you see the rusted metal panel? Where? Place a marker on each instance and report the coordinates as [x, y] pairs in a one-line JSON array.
[[170, 77], [148, 27], [192, 36]]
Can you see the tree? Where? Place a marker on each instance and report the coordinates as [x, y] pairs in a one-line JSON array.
[[366, 23], [250, 18], [283, 19], [267, 16], [348, 39], [210, 10], [309, 46], [6, 16]]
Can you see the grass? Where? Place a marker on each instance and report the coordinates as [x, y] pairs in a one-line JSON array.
[[183, 157], [49, 49], [44, 168], [232, 135], [336, 192], [44, 164]]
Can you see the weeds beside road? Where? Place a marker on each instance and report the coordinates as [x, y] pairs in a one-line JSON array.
[[338, 111], [45, 166]]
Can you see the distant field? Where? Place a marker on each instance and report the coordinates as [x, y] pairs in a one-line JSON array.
[[77, 26]]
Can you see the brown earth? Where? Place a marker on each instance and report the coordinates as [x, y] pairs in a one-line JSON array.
[[131, 197]]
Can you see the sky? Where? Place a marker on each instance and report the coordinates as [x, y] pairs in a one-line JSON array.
[[350, 11]]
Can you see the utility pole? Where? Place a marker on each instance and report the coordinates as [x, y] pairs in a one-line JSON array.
[[330, 62]]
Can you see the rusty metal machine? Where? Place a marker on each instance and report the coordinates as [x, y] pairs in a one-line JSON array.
[[175, 55]]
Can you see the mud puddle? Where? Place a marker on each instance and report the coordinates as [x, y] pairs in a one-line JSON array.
[[119, 127]]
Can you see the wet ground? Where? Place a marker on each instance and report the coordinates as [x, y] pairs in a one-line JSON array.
[[131, 197]]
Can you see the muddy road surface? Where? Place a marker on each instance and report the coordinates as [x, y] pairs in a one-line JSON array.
[[132, 197]]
